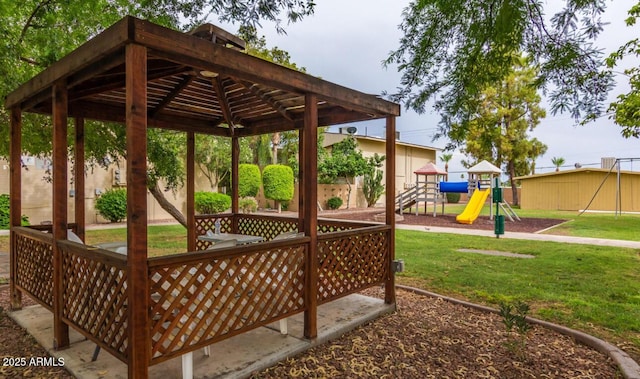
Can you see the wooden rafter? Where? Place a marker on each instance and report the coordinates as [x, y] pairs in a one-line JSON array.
[[224, 103], [262, 94], [186, 80]]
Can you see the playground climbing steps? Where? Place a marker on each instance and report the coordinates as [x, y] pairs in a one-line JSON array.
[[406, 199], [508, 211], [474, 206]]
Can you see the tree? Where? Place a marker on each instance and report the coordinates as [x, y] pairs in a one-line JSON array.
[[446, 157], [372, 186], [36, 33], [627, 106], [498, 131], [558, 162], [278, 183], [452, 50], [345, 162]]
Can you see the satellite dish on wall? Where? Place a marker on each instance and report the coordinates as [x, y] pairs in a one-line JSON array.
[[352, 130], [577, 165]]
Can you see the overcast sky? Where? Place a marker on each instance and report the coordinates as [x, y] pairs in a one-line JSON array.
[[346, 41]]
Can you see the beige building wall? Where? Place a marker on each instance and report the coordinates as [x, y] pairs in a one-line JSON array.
[[572, 190], [37, 192]]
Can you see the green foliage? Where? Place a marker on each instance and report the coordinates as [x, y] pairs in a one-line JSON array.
[[112, 204], [248, 204], [451, 50], [249, 180], [212, 202], [5, 221], [558, 162], [345, 162], [334, 202], [372, 186], [507, 110], [514, 317], [452, 197], [278, 182]]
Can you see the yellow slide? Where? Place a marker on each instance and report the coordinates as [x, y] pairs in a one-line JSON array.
[[475, 204]]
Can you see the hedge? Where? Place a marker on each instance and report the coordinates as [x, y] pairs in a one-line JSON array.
[[277, 181], [4, 213], [249, 180], [112, 204], [212, 202]]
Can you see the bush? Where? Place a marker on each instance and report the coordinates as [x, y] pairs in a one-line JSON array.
[[249, 180], [452, 197], [334, 202], [248, 204], [212, 202], [278, 182], [112, 204], [5, 222]]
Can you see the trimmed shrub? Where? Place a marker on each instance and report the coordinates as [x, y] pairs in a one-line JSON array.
[[334, 202], [212, 202], [277, 181], [4, 213], [453, 197], [248, 204], [112, 204], [249, 180]]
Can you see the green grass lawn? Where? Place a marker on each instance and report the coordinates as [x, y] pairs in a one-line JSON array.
[[591, 288]]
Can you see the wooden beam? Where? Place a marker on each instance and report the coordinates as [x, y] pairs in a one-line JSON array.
[[310, 171], [15, 199], [186, 80], [191, 179], [390, 211], [264, 96], [78, 178], [59, 207], [139, 351], [91, 52], [222, 100]]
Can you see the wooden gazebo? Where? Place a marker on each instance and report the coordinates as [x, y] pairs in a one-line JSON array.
[[146, 310]]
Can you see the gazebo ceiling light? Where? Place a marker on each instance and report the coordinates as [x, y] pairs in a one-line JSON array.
[[209, 74]]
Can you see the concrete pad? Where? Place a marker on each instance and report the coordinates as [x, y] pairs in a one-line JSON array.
[[235, 357]]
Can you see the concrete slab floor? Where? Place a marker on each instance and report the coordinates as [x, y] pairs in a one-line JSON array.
[[235, 357]]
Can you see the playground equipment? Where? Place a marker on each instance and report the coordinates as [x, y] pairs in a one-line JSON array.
[[474, 206], [425, 190]]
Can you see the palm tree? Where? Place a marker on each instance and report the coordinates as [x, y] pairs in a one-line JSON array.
[[557, 161], [446, 158]]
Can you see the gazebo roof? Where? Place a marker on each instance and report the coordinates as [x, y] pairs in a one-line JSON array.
[[193, 84], [484, 167], [430, 169]]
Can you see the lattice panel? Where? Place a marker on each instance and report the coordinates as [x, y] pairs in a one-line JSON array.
[[196, 304], [35, 267], [207, 222], [95, 299], [349, 264], [266, 227]]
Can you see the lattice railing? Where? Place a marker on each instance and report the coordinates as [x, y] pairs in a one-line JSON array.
[[352, 260], [34, 258], [209, 296], [94, 298], [265, 226], [207, 222], [329, 226]]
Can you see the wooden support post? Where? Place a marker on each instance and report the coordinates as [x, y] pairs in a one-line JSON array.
[[390, 189], [59, 207], [78, 178], [139, 348], [302, 198], [191, 202], [310, 190], [15, 199], [235, 192]]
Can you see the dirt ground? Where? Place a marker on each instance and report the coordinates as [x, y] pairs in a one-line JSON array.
[[426, 338]]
